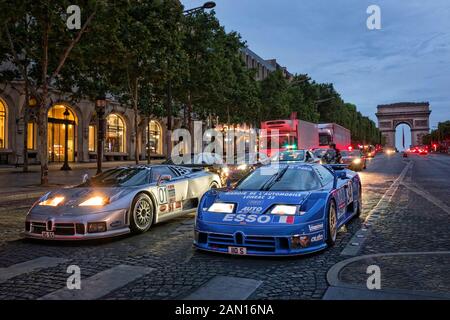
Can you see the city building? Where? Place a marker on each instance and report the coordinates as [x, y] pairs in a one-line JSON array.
[[80, 119], [262, 67], [81, 122]]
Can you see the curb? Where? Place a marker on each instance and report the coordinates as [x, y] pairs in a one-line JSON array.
[[339, 286]]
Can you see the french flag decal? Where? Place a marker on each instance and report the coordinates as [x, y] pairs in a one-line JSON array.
[[286, 219]]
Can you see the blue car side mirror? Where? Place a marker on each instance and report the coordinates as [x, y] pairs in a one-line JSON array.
[[341, 174]]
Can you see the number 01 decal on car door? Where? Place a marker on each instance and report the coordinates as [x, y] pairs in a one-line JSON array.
[[162, 195]]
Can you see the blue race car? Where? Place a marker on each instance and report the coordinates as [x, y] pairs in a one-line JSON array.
[[279, 210]]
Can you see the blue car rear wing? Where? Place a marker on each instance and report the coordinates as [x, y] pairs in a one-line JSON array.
[[336, 167]]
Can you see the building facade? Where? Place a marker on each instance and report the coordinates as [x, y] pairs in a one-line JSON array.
[[80, 120], [262, 67]]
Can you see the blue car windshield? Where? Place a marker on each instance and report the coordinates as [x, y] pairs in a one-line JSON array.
[[291, 178]]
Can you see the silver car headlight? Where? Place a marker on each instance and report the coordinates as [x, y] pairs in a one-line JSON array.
[[95, 201], [221, 207], [51, 202]]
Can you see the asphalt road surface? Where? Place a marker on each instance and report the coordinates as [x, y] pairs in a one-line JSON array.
[[406, 209]]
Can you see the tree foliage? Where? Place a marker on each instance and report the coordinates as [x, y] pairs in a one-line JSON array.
[[138, 51]]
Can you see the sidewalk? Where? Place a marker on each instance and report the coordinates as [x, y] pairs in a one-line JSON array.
[[17, 185], [404, 276]]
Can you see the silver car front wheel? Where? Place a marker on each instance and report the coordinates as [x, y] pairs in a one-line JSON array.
[[142, 213]]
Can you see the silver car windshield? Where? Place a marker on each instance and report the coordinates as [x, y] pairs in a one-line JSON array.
[[119, 177]]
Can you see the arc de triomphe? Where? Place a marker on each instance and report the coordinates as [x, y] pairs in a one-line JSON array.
[[415, 115]]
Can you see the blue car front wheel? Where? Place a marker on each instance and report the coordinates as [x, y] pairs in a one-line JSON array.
[[332, 224]]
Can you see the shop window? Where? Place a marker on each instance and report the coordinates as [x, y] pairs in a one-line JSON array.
[[155, 137], [92, 138], [115, 134], [32, 136], [3, 141]]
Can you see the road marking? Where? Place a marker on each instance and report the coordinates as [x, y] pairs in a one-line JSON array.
[[225, 288], [100, 284], [358, 239], [428, 196], [28, 266]]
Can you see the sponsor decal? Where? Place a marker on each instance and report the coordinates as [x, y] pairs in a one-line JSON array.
[[350, 192], [250, 210], [243, 218], [301, 167], [284, 219], [316, 238], [171, 192], [162, 195], [315, 227], [263, 195]]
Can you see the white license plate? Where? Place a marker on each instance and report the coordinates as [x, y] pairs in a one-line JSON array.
[[48, 234], [237, 250]]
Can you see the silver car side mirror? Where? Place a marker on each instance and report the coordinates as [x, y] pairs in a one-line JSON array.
[[164, 178]]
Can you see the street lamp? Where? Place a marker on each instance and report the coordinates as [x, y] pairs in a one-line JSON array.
[[66, 166], [100, 106], [206, 5]]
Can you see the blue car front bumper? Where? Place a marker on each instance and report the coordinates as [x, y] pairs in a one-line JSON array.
[[258, 241]]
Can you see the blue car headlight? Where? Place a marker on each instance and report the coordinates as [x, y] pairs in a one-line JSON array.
[[284, 209], [221, 207]]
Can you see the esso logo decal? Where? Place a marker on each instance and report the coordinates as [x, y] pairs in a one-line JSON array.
[[231, 217]]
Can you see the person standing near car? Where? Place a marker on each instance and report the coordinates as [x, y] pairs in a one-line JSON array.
[[333, 155]]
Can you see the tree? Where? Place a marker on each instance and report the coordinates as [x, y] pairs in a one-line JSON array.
[[148, 35], [275, 97], [49, 45]]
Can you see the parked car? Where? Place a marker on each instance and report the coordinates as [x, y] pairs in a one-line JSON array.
[[118, 201], [297, 209]]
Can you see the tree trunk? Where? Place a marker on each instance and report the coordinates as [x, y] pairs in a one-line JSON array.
[[136, 123], [25, 128], [169, 119], [189, 114], [149, 161], [42, 119], [43, 155]]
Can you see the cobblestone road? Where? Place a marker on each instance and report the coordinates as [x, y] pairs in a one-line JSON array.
[[410, 224]]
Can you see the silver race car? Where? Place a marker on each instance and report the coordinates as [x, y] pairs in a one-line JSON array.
[[119, 201]]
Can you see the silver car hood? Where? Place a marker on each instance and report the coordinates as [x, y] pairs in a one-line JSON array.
[[75, 195]]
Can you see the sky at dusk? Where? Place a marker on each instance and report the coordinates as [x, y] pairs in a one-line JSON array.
[[407, 60]]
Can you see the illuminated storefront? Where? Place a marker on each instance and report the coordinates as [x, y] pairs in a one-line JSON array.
[[57, 122], [3, 135], [80, 121], [32, 136], [153, 133], [92, 143], [115, 134]]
